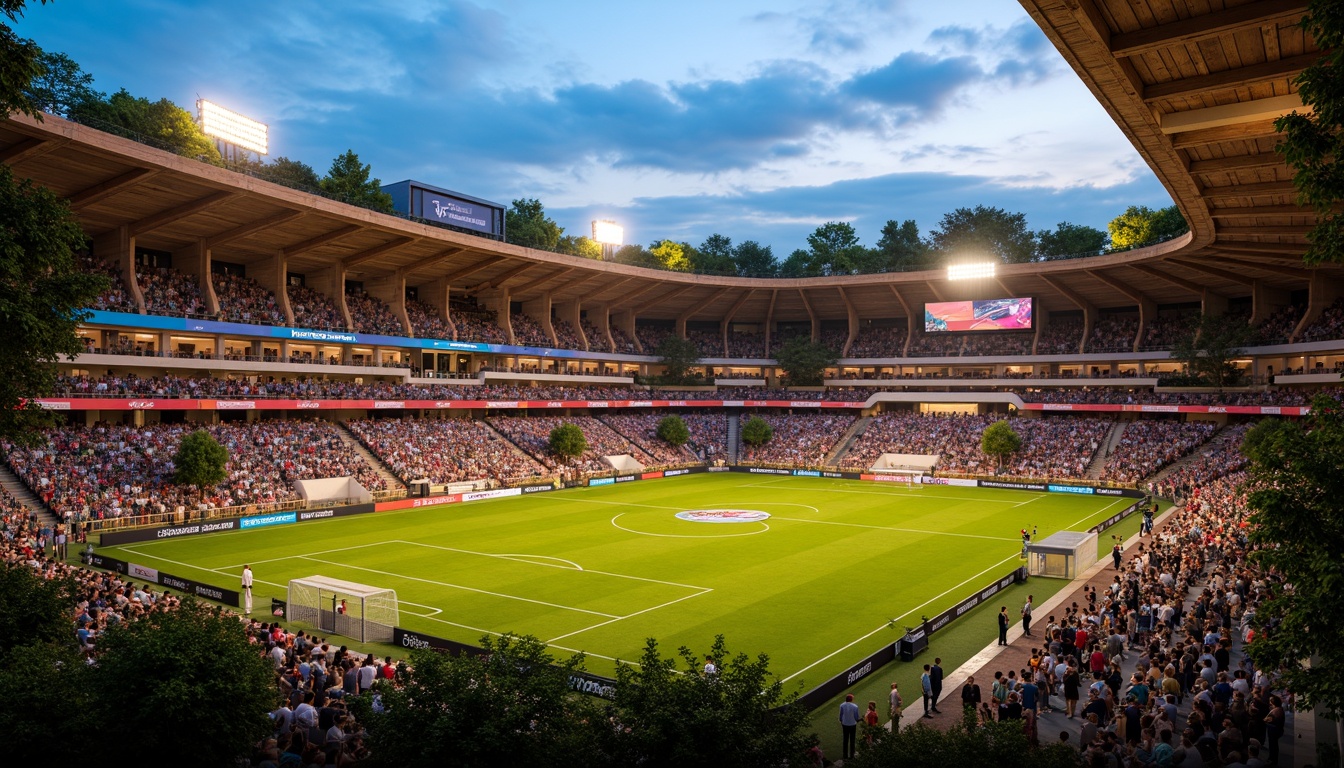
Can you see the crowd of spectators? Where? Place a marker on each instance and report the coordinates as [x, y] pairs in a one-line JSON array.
[[597, 340], [709, 343], [1284, 396], [935, 345], [624, 344], [1219, 458], [116, 298], [1019, 343], [709, 434], [371, 315], [445, 451], [799, 439], [427, 322], [641, 429], [528, 332], [650, 336], [878, 342], [169, 292], [1113, 333], [111, 471], [1060, 337], [1167, 329], [783, 337], [533, 434], [566, 337], [1330, 325], [475, 324], [244, 300], [1278, 327], [313, 310], [1147, 446], [746, 345]]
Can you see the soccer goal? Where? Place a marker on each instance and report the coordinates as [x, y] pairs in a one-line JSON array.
[[358, 611]]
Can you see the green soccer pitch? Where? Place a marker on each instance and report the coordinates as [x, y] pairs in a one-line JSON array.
[[598, 570]]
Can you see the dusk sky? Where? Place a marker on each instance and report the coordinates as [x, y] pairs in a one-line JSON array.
[[755, 120]]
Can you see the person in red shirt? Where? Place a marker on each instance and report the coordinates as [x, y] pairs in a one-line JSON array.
[[1097, 663], [1080, 637]]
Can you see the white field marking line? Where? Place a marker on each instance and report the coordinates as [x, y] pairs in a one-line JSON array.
[[916, 609], [636, 613], [222, 572], [289, 557], [613, 503], [912, 495], [585, 570], [685, 535], [458, 586], [902, 530], [1094, 514], [570, 565], [557, 647]]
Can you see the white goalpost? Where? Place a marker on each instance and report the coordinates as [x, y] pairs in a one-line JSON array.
[[905, 469], [357, 611]]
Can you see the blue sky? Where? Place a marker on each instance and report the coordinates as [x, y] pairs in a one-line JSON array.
[[757, 120]]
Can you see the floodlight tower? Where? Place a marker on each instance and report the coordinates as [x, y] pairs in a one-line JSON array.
[[233, 133], [610, 235]]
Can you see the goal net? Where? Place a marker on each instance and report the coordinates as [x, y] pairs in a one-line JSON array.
[[357, 611]]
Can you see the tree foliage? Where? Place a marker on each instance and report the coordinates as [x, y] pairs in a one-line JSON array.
[[1000, 440], [20, 64], [200, 461], [805, 361], [1313, 143], [45, 705], [715, 256], [757, 431], [677, 356], [1208, 348], [900, 248], [673, 431], [61, 85], [583, 247], [162, 122], [670, 717], [1140, 225], [671, 255], [42, 295], [1000, 744], [351, 181], [511, 706], [184, 682], [294, 174], [1070, 240], [568, 440], [1297, 521], [980, 231], [526, 224], [33, 609], [754, 260]]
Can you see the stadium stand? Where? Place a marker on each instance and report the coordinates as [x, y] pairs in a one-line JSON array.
[[799, 440], [313, 310], [244, 300], [529, 332], [445, 451], [426, 321], [116, 298], [369, 315], [1145, 447], [169, 292]]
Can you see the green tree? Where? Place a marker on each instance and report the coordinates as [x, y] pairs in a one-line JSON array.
[[511, 706], [900, 247], [1313, 143], [798, 264], [1000, 744], [185, 682], [568, 440], [33, 609], [45, 705], [982, 231], [1140, 225], [42, 295], [673, 431], [61, 85], [20, 64], [715, 256], [636, 256], [741, 716], [805, 361], [671, 255], [162, 122], [1208, 348], [580, 246], [1297, 525], [757, 431], [526, 224], [677, 356], [834, 249], [200, 461], [754, 260], [1070, 240], [1000, 440], [351, 181], [294, 174]]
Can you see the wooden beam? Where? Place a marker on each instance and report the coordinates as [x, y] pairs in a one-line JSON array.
[[901, 299], [694, 308], [252, 227], [1236, 191], [811, 315], [525, 287], [1277, 269], [103, 190], [1215, 272], [1236, 163], [176, 213], [610, 286], [937, 294], [1256, 211], [472, 268], [320, 240], [499, 280], [732, 311], [1069, 294], [1250, 111], [429, 261], [374, 252], [632, 296], [1289, 250], [1205, 26], [1123, 287], [1239, 77], [1179, 282], [1258, 129], [1299, 229], [29, 149]]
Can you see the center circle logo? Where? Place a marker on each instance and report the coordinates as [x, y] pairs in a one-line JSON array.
[[723, 515]]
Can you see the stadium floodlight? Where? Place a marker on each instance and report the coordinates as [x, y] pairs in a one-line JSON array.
[[970, 271], [608, 232], [232, 128]]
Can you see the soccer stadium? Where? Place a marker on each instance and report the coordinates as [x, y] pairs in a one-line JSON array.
[[438, 440]]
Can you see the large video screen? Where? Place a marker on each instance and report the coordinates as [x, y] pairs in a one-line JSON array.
[[985, 315]]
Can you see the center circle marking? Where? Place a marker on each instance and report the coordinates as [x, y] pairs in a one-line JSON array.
[[723, 515]]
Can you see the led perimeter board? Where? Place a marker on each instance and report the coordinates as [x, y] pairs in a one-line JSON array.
[[983, 315]]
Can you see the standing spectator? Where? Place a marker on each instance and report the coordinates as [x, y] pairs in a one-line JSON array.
[[926, 683], [936, 682], [870, 721], [1026, 616], [970, 696], [247, 590], [896, 703], [849, 725], [1003, 625]]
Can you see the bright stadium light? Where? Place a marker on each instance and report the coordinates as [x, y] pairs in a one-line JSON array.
[[608, 232], [232, 128], [970, 271]]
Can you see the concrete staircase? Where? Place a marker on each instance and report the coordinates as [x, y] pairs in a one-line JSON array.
[[393, 482], [1104, 452], [516, 448], [1216, 440], [847, 441], [24, 496], [734, 437]]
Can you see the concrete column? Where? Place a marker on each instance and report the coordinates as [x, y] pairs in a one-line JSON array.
[[1265, 301], [625, 321], [391, 290], [539, 309], [1214, 304], [435, 293], [569, 312], [194, 261], [497, 299], [1321, 293], [330, 282], [118, 249], [1147, 314]]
